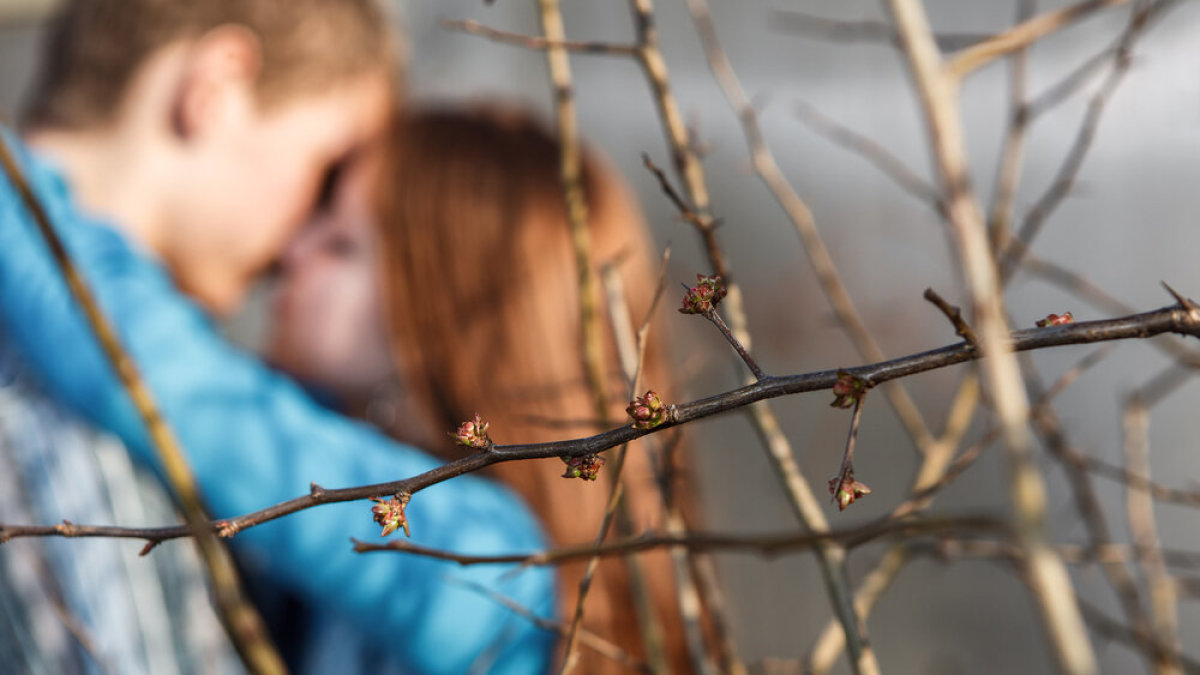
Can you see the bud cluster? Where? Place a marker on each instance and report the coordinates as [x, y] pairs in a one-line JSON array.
[[647, 411], [704, 296], [1056, 320], [846, 490], [473, 434], [390, 514], [848, 390], [586, 467]]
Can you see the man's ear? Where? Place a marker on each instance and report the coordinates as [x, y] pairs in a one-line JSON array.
[[218, 73]]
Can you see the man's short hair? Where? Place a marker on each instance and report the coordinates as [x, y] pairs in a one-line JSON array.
[[96, 47]]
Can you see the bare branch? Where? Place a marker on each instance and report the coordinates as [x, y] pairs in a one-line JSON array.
[[1164, 620], [714, 317], [538, 42], [571, 168], [586, 637], [938, 89], [1137, 641], [879, 156], [815, 27], [1008, 175], [1021, 36], [768, 546], [800, 215], [1064, 180], [961, 327]]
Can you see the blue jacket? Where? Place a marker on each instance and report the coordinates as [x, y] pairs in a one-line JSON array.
[[254, 438]]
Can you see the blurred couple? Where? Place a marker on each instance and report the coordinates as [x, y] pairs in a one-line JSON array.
[[436, 280]]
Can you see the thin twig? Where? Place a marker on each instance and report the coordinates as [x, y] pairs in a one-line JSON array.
[[1164, 617], [1064, 180], [685, 211], [950, 548], [1021, 36], [631, 347], [1008, 175], [586, 637], [1139, 482], [1097, 297], [1087, 504], [571, 168], [802, 219], [936, 470], [779, 451], [844, 480], [1060, 91], [643, 332], [538, 42], [1112, 630], [888, 164], [705, 574], [715, 317], [764, 545], [961, 327], [815, 27]]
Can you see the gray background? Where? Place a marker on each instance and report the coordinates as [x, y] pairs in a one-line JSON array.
[[1130, 223]]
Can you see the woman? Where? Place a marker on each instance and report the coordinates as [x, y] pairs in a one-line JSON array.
[[453, 292]]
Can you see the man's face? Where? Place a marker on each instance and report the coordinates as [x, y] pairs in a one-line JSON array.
[[262, 176]]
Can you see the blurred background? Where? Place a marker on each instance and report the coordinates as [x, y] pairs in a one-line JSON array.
[[1129, 223]]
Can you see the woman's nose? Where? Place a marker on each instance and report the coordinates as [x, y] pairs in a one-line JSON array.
[[297, 251]]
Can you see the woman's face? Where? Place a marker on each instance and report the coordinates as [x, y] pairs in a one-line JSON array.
[[328, 325]]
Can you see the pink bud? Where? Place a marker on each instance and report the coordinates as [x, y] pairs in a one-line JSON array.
[[586, 467], [390, 514], [473, 433], [704, 296], [847, 491], [1056, 320], [647, 411], [848, 390]]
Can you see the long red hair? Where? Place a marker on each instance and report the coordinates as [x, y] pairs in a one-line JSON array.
[[483, 301]]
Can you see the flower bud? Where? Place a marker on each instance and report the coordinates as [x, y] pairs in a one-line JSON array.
[[847, 490], [647, 411], [1056, 320], [586, 467], [848, 390], [390, 514], [704, 296], [473, 434]]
